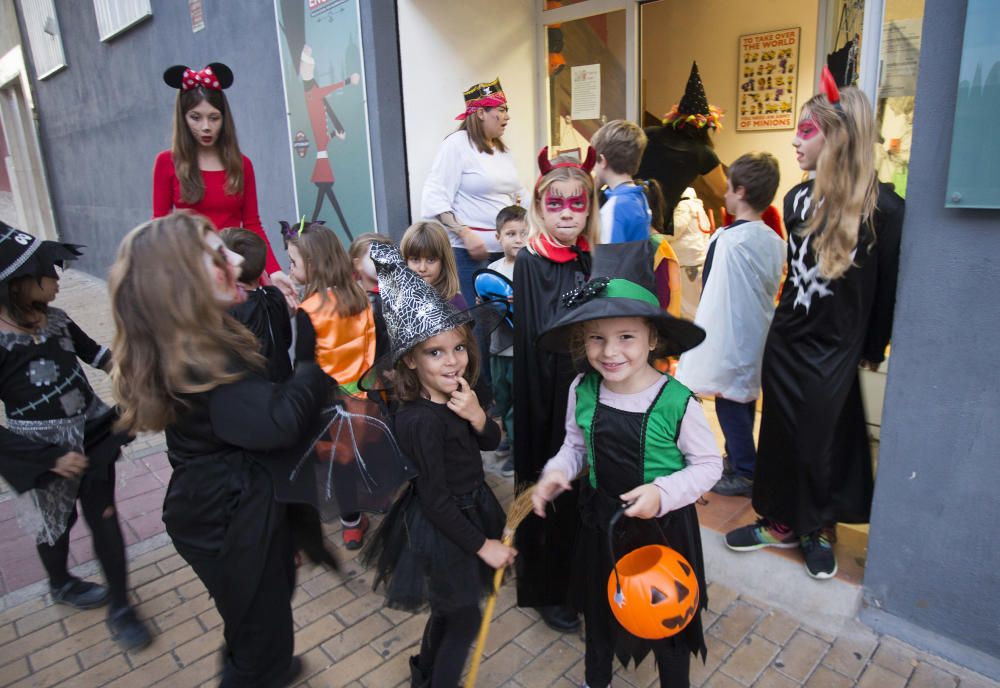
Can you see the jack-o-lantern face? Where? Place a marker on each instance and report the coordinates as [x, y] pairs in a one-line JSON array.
[[659, 592]]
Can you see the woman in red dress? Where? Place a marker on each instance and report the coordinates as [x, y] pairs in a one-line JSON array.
[[204, 170]]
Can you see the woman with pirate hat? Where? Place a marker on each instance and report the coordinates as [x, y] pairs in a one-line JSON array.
[[58, 447], [473, 178], [680, 150], [835, 313], [204, 169], [640, 439], [440, 541]]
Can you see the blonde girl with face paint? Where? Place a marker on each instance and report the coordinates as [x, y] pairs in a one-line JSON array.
[[564, 221], [835, 314]]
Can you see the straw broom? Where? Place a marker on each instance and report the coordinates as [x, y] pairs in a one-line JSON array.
[[518, 511]]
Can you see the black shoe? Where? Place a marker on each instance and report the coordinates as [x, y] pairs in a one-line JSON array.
[[818, 553], [727, 468], [128, 630], [80, 594], [418, 679], [291, 674], [733, 485], [560, 618]]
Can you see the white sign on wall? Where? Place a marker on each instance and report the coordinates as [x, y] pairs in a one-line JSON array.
[[586, 92]]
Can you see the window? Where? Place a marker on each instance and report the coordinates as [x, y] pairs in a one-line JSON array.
[[43, 36], [117, 16]]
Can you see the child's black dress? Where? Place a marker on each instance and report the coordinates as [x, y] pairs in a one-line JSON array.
[[51, 410], [425, 549]]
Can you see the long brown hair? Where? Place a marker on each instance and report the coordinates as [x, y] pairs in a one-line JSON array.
[[405, 383], [428, 239], [25, 313], [473, 126], [172, 337], [185, 147], [846, 187], [592, 232], [328, 267]]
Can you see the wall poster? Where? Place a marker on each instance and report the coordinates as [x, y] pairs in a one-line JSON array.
[[768, 69], [323, 74]]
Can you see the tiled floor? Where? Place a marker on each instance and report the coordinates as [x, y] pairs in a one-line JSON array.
[[347, 638]]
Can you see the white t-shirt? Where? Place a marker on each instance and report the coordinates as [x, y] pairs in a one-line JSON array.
[[474, 186]]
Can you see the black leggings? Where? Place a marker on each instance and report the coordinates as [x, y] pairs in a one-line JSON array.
[[445, 645], [96, 497]]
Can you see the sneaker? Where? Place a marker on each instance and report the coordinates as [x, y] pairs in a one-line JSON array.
[[759, 535], [80, 594], [818, 552], [354, 535], [507, 469], [733, 485], [128, 630], [503, 450]]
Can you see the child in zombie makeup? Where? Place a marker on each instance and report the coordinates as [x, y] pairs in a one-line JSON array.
[[564, 221]]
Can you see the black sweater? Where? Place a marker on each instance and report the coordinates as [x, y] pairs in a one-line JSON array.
[[446, 450]]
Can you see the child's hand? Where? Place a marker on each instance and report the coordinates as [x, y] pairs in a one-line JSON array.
[[70, 465], [497, 554], [550, 485], [645, 501], [465, 404]]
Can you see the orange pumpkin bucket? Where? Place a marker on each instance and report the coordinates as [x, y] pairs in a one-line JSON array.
[[652, 590]]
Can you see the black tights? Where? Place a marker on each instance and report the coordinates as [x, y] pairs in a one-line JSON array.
[[445, 645], [97, 500], [326, 189]]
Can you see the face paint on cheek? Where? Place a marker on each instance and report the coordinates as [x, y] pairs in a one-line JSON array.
[[556, 204], [807, 129]]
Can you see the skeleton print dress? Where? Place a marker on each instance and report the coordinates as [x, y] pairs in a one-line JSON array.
[[813, 462], [50, 410]]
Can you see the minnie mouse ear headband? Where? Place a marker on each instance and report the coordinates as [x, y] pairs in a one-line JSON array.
[[216, 76], [545, 165], [23, 254], [485, 95]]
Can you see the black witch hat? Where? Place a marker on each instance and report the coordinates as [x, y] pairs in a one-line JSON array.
[[694, 110], [23, 254], [622, 285], [413, 310]]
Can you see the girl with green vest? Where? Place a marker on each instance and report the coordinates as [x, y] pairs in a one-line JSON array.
[[641, 439]]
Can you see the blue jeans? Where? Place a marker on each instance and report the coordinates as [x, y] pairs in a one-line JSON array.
[[736, 419], [502, 369], [466, 267]]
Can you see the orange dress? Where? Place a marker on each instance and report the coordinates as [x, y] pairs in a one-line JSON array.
[[345, 345]]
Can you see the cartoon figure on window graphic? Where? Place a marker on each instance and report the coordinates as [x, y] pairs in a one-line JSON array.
[[320, 113]]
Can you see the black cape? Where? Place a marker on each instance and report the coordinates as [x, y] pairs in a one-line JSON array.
[[813, 459], [541, 387]]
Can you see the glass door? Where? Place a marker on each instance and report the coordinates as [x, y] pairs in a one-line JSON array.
[[588, 57]]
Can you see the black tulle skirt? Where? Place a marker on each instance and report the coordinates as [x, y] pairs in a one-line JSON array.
[[420, 565], [592, 567]]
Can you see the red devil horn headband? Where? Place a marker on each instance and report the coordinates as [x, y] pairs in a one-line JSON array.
[[829, 87], [545, 165], [216, 76]]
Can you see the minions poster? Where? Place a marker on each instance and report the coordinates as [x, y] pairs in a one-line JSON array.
[[769, 77], [323, 70]]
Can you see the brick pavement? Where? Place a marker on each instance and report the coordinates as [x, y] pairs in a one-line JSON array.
[[348, 639]]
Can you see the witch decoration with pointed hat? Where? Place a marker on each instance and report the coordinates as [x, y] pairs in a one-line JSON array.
[[624, 441], [835, 313], [680, 150]]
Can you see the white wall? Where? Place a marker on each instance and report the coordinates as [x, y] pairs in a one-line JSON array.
[[675, 32], [445, 47]]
